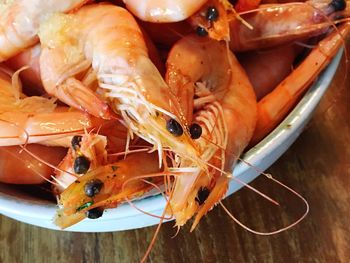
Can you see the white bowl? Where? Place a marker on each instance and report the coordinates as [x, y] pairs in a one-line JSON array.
[[31, 210]]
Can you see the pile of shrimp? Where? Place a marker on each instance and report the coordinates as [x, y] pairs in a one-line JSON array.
[[111, 101]]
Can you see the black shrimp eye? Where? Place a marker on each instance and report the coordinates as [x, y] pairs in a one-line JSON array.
[[76, 140], [94, 213], [212, 14], [338, 5], [201, 31], [202, 195], [93, 187], [174, 127], [81, 165], [195, 131]]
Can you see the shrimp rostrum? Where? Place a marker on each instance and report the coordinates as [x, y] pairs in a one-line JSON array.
[[96, 60]]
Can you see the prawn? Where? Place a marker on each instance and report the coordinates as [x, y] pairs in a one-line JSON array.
[[213, 19], [86, 152], [245, 5], [277, 24], [19, 22], [36, 119], [110, 188], [163, 11], [89, 150], [19, 167], [225, 110], [29, 59], [267, 68], [105, 41], [30, 77], [274, 106]]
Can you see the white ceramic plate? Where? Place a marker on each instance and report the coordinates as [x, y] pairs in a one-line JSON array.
[[25, 208]]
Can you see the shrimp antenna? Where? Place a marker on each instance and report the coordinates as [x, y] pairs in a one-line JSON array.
[[278, 230], [269, 176], [150, 246], [36, 172], [230, 176], [27, 136], [144, 179]]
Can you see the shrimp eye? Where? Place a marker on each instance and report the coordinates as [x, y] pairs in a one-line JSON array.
[[202, 195], [81, 165], [195, 131], [94, 213], [174, 127], [212, 14], [338, 5], [76, 140], [93, 187], [201, 31]]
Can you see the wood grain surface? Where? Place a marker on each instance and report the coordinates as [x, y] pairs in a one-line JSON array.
[[317, 166]]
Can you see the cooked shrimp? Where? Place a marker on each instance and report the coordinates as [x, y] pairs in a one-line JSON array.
[[30, 77], [166, 34], [277, 24], [106, 187], [225, 109], [29, 59], [267, 68], [275, 105], [18, 167], [213, 19], [19, 22], [245, 5], [106, 41], [86, 153], [163, 11], [36, 119]]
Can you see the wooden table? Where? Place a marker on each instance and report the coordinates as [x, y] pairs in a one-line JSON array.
[[317, 166]]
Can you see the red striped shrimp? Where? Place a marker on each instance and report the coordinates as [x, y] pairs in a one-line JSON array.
[[277, 24], [275, 106], [19, 22], [36, 119], [163, 11], [225, 109], [105, 41]]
